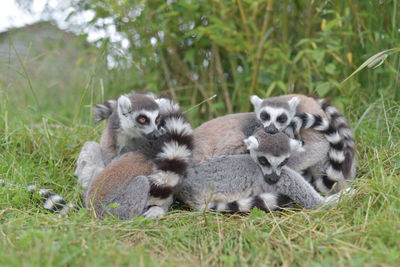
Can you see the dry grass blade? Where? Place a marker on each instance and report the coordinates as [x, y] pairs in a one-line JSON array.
[[374, 61]]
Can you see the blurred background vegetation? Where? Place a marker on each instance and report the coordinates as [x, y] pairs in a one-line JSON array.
[[193, 50]]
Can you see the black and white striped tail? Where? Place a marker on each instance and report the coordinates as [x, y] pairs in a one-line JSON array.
[[104, 111], [172, 161], [336, 153], [340, 123], [51, 201], [266, 202]]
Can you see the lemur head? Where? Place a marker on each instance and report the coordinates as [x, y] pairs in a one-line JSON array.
[[271, 152], [274, 113], [139, 115]]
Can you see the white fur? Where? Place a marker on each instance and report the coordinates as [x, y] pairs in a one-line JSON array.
[[293, 102], [124, 104], [323, 127], [51, 201], [179, 125], [244, 205], [251, 143], [336, 155], [334, 174], [154, 212], [164, 178], [173, 150], [310, 121], [31, 188], [256, 101], [333, 138], [270, 200], [167, 106], [296, 146]]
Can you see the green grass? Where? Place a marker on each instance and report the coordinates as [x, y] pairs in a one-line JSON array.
[[39, 148]]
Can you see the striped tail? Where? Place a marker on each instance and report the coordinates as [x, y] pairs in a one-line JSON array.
[[51, 201], [337, 150], [266, 202], [340, 123], [172, 161]]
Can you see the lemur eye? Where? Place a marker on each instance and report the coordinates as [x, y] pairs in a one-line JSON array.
[[282, 118], [263, 161], [265, 116], [283, 162], [142, 119], [158, 119]]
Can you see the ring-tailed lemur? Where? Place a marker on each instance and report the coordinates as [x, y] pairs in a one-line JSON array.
[[132, 119], [143, 179], [51, 201], [135, 120], [279, 115], [238, 183]]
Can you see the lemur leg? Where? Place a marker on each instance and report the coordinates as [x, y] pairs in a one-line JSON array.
[[298, 189], [131, 199], [89, 164]]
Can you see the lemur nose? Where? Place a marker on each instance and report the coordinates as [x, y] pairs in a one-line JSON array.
[[272, 178], [271, 129], [153, 135]]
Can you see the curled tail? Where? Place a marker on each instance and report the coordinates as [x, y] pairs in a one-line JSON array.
[[338, 133], [51, 201], [171, 162], [340, 123], [266, 202], [336, 153]]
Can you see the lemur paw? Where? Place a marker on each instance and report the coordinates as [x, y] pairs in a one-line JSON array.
[[335, 199], [154, 212]]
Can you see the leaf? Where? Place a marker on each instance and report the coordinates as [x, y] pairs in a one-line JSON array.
[[322, 88], [113, 205], [330, 68]]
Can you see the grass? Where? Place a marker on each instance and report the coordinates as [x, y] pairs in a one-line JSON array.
[[39, 148], [39, 143]]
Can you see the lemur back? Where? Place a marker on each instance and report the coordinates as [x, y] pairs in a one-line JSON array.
[[238, 183]]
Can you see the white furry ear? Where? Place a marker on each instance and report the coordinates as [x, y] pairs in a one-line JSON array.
[[293, 103], [296, 146], [256, 101], [251, 143], [124, 104]]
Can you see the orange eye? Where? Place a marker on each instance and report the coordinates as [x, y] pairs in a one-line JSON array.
[[157, 120], [142, 120]]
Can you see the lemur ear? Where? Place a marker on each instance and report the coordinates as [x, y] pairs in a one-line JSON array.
[[251, 143], [296, 146], [124, 104], [256, 101], [293, 103]]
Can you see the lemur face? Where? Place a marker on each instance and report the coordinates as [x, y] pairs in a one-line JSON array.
[[140, 118], [274, 119], [274, 114], [271, 152]]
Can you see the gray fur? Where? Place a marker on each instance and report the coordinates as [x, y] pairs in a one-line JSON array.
[[90, 163], [131, 199], [275, 145], [233, 177]]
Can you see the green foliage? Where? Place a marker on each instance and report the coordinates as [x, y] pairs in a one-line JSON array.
[[194, 49]]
